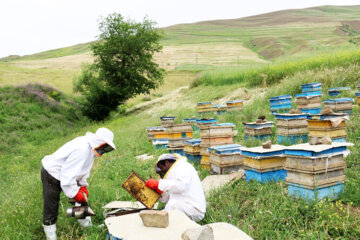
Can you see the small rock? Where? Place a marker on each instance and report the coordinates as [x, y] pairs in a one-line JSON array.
[[292, 111], [326, 110], [200, 233], [153, 218], [326, 140], [314, 141], [298, 111], [267, 144]]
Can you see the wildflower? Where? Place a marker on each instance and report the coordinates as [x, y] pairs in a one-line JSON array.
[[251, 227], [229, 216]]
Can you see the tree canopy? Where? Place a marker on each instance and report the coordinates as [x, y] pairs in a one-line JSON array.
[[123, 65]]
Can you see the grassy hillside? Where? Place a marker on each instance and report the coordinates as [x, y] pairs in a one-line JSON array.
[[263, 211]]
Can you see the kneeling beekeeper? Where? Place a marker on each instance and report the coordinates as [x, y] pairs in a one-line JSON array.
[[67, 170], [180, 186]]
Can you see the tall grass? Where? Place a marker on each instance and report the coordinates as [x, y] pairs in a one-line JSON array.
[[273, 73]]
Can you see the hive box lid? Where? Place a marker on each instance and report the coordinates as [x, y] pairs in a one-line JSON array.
[[193, 142], [226, 149], [309, 94], [235, 101], [159, 128], [275, 150], [280, 97], [338, 89], [314, 84], [291, 116], [338, 100], [306, 149], [205, 120]]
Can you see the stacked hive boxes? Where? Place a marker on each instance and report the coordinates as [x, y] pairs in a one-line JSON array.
[[192, 150], [331, 125], [310, 100], [358, 99], [158, 136], [234, 105], [340, 105], [258, 130], [226, 158], [291, 128], [264, 164], [337, 91], [204, 107], [315, 171], [178, 133], [280, 104], [214, 135]]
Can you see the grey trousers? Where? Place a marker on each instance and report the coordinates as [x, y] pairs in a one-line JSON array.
[[51, 197]]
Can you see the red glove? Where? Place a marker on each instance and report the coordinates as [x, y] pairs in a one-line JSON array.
[[153, 184], [84, 189], [80, 195]]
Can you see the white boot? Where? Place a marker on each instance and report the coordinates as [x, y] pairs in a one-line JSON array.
[[50, 232], [86, 222]]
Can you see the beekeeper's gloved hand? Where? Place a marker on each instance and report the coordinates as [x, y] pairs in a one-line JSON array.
[[153, 184], [80, 196]]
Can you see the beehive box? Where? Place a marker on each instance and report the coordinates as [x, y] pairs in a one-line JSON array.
[[135, 185], [218, 130], [308, 98], [192, 146], [312, 180], [196, 158], [205, 122], [178, 150], [167, 121], [331, 191], [311, 87], [226, 155], [177, 142], [203, 107], [213, 141], [337, 91], [264, 164], [307, 150], [315, 164], [192, 121], [224, 170], [321, 128], [178, 135], [258, 129], [159, 131], [234, 105], [179, 128], [280, 103], [205, 162], [340, 104]]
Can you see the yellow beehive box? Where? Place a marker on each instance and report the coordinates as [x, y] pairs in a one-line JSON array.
[[180, 135], [265, 163]]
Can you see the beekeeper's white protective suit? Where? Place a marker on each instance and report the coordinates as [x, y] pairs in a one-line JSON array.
[[182, 190]]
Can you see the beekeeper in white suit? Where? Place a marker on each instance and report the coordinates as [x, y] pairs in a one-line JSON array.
[[180, 186], [66, 171]]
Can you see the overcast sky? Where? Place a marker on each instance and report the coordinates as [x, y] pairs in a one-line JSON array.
[[31, 26]]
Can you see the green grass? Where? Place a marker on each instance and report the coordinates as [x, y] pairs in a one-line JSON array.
[[273, 73]]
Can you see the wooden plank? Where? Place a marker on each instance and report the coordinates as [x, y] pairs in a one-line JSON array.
[[257, 132], [330, 133], [217, 140], [224, 169], [326, 124], [291, 123]]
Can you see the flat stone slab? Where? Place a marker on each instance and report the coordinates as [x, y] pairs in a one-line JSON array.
[[227, 231], [131, 227], [154, 218], [216, 181]]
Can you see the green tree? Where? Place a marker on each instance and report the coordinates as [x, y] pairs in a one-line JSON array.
[[123, 65]]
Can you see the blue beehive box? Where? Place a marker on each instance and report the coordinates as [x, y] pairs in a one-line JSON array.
[[263, 177], [318, 194], [280, 103], [309, 94], [193, 121], [311, 110], [193, 158], [336, 91], [311, 87]]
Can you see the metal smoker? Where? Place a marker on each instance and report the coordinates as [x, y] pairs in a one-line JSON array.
[[79, 212]]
